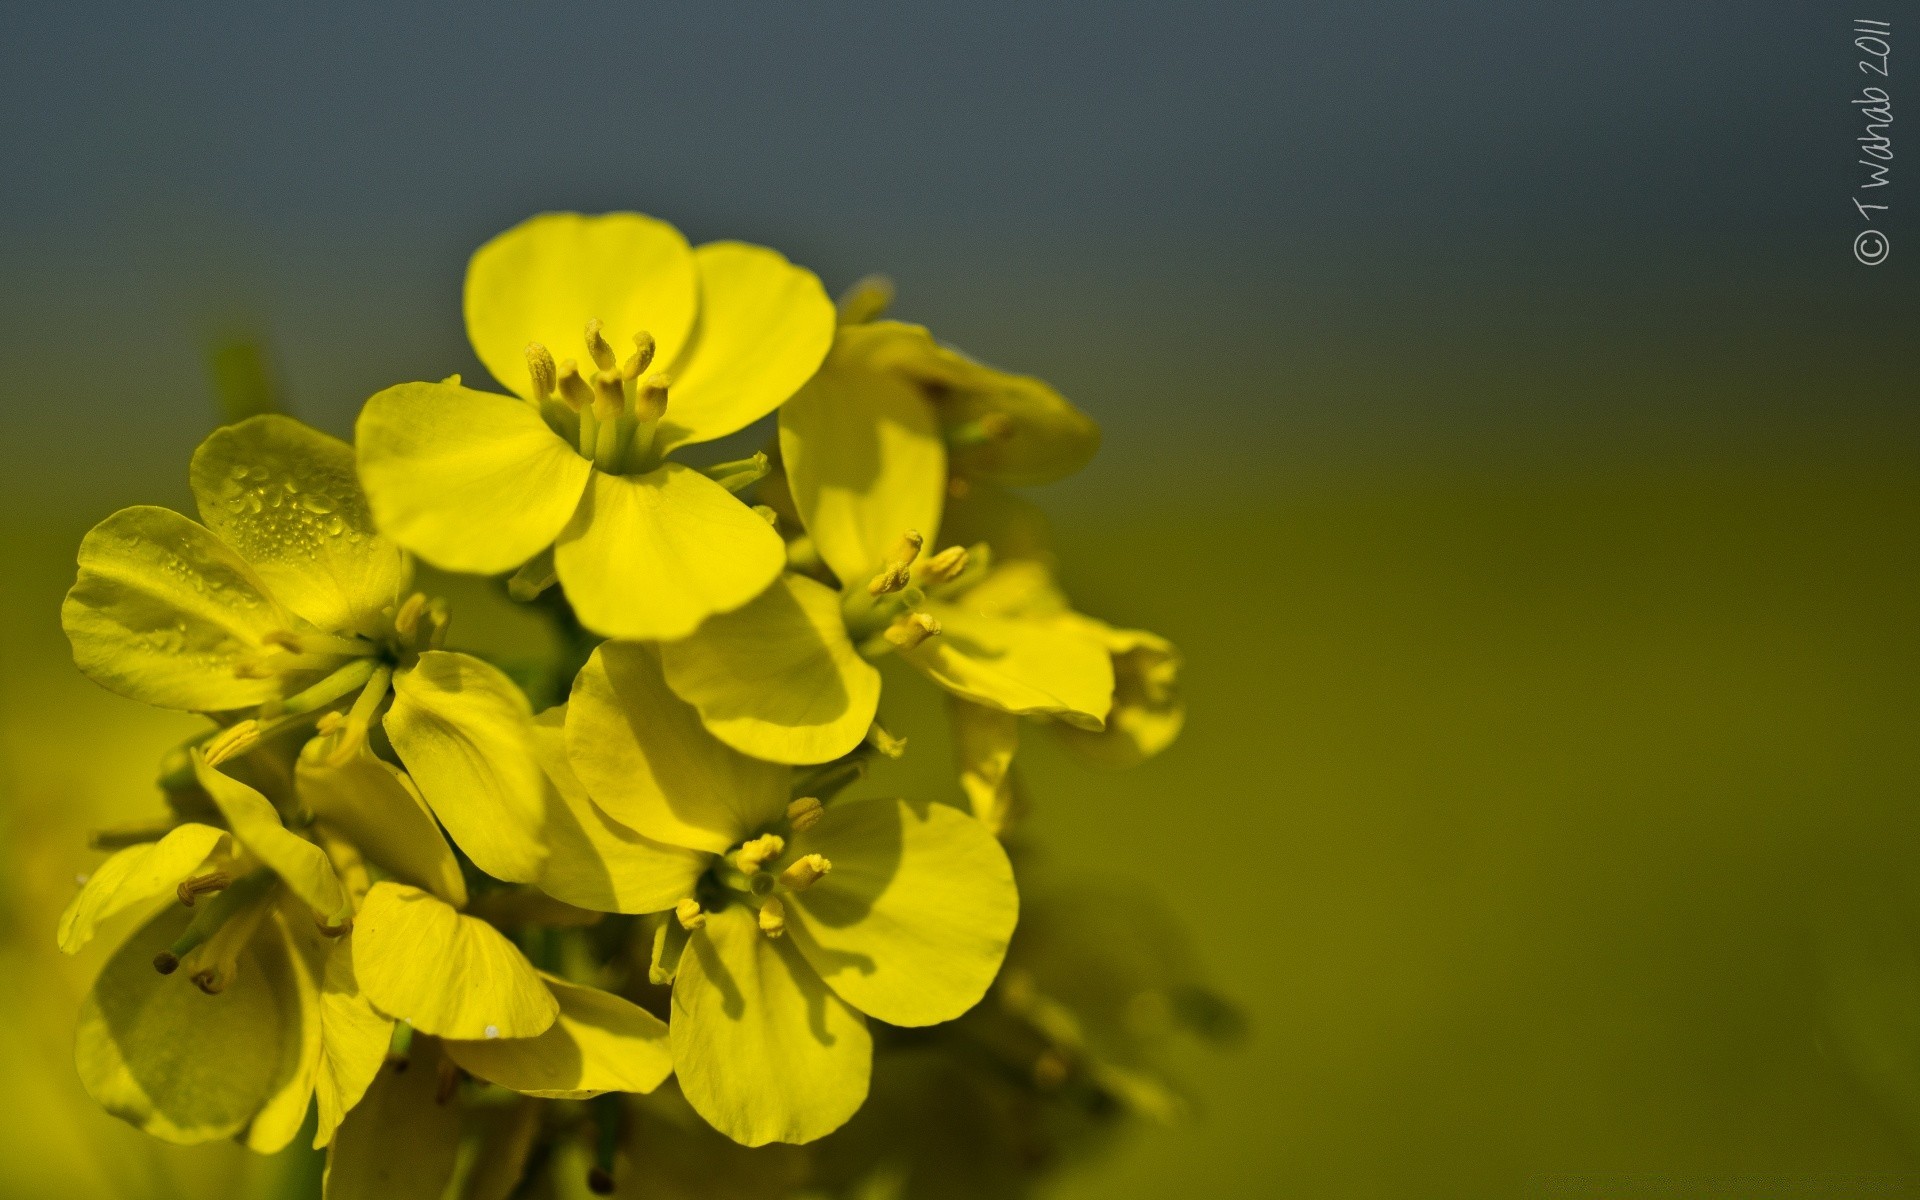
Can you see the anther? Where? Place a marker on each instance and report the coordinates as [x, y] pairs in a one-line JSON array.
[[946, 566], [803, 814], [773, 917], [166, 962], [333, 931], [911, 630], [597, 347], [888, 745], [609, 395], [806, 871], [643, 349], [866, 299], [690, 915], [234, 740], [407, 620], [541, 370], [573, 390], [894, 576], [753, 855], [650, 400], [202, 885]]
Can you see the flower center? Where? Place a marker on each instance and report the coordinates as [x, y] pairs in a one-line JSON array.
[[885, 614], [612, 415]]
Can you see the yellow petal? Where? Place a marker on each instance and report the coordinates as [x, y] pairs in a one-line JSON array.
[[593, 861], [285, 497], [763, 1049], [285, 1109], [651, 556], [467, 480], [137, 876], [353, 1041], [1147, 709], [912, 923], [420, 961], [765, 324], [599, 1043], [464, 732], [645, 758], [864, 456], [1045, 437], [378, 809], [778, 679], [984, 742], [545, 278], [163, 612], [256, 825], [186, 1067], [400, 1142], [1014, 527], [1029, 667]]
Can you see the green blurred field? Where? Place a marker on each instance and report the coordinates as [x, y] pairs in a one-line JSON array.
[[1552, 821]]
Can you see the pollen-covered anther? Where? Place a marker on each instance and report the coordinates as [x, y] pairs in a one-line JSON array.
[[202, 885], [573, 390], [753, 855], [650, 398], [642, 356], [690, 915], [911, 630], [597, 347], [773, 917], [609, 394], [805, 871], [231, 742], [945, 566], [803, 814], [541, 370], [407, 620], [898, 571]]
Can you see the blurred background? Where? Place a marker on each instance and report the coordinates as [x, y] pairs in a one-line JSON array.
[[1495, 415]]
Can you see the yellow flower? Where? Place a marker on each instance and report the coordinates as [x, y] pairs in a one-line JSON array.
[[787, 677], [645, 547], [794, 920]]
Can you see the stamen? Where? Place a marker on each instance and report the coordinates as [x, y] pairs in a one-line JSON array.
[[334, 686], [400, 1046], [888, 745], [806, 871], [773, 917], [328, 930], [650, 401], [597, 347], [408, 618], [669, 942], [353, 735], [895, 575], [803, 814], [540, 370], [448, 1082], [609, 396], [643, 349], [235, 740], [211, 943], [573, 390], [690, 915], [944, 567], [439, 618], [741, 473], [193, 888], [911, 630], [867, 299], [753, 855]]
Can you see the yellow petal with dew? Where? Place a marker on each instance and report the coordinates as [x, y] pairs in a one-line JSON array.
[[256, 825], [353, 1041], [420, 961], [912, 923], [1148, 711], [285, 496], [184, 1066], [594, 861], [469, 481], [763, 1049], [1028, 667], [164, 612], [646, 759], [864, 457], [465, 733], [135, 877], [378, 809], [401, 1141], [764, 326], [779, 679], [599, 1043], [651, 556], [984, 742], [545, 278]]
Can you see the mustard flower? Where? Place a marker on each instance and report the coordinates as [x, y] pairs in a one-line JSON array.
[[713, 338], [795, 922]]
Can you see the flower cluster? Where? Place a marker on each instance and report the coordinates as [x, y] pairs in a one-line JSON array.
[[393, 888]]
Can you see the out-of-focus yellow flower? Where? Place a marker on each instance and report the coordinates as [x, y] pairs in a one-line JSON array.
[[793, 919], [645, 547]]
